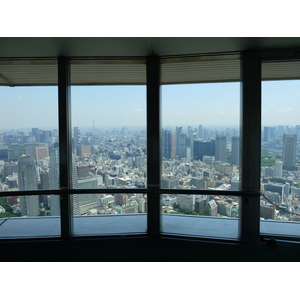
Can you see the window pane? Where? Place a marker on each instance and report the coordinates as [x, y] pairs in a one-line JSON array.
[[106, 214], [109, 127], [201, 215], [201, 136], [29, 133], [279, 207]]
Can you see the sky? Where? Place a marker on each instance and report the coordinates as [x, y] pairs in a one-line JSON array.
[[211, 104]]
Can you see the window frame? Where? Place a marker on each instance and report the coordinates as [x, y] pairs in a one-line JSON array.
[[250, 147]]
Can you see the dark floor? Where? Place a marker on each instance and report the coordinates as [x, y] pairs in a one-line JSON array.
[[142, 250]]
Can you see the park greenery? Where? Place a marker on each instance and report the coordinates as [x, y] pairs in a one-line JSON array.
[[268, 159], [7, 207]]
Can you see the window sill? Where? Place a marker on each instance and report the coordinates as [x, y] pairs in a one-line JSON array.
[[130, 224]]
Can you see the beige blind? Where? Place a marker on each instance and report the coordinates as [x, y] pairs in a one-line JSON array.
[[28, 72], [108, 72], [201, 69], [283, 70]]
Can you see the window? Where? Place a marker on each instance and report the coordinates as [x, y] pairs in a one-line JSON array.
[[122, 160], [29, 135], [279, 207]]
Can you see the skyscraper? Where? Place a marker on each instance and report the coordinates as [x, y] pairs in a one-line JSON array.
[[200, 132], [266, 134], [28, 181], [289, 151], [221, 148], [235, 150], [278, 168]]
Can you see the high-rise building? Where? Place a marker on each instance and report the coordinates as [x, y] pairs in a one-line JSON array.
[[235, 150], [41, 152], [77, 137], [28, 181], [221, 148], [266, 134], [278, 168], [289, 151], [4, 153], [16, 151], [202, 148], [168, 144], [200, 132]]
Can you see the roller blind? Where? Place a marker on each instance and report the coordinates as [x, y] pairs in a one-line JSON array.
[[200, 69]]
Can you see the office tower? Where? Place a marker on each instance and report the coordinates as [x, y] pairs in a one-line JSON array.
[[289, 151], [280, 131], [47, 137], [278, 169], [185, 202], [34, 133], [272, 132], [235, 150], [121, 199], [221, 148], [199, 205], [266, 134], [30, 149], [27, 181], [200, 132], [9, 169], [168, 144], [4, 153], [202, 148], [16, 151], [84, 202], [178, 131], [182, 145], [267, 212], [41, 153], [77, 138]]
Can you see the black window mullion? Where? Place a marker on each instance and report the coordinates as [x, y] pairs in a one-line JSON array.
[[251, 145], [65, 151], [153, 146]]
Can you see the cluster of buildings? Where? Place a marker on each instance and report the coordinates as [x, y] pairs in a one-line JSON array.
[[196, 158]]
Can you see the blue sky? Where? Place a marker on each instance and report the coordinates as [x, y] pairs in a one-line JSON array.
[[182, 105]]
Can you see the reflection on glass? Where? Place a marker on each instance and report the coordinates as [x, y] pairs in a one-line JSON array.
[[101, 214], [201, 215], [200, 136]]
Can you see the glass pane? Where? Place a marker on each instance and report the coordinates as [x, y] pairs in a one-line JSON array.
[[13, 225], [105, 214], [279, 205], [201, 215], [109, 125], [29, 134], [200, 136]]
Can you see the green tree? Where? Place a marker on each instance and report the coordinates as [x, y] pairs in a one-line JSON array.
[[5, 205], [175, 205], [6, 215]]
